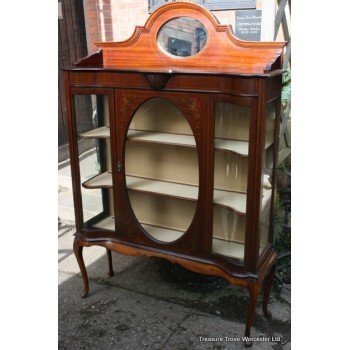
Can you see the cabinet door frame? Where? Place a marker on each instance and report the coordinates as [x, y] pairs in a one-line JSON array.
[[74, 156], [276, 144], [193, 108], [252, 102]]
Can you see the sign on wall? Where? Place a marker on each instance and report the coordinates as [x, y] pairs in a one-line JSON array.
[[210, 4], [248, 25]]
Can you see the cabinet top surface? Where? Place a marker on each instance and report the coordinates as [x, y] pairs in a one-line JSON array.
[[182, 37]]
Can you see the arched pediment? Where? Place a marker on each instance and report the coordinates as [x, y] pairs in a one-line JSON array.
[[222, 53]]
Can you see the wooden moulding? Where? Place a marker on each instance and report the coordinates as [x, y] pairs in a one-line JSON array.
[[194, 264], [96, 77], [93, 61], [222, 54]]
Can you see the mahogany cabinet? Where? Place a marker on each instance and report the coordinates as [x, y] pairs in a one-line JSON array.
[[178, 158]]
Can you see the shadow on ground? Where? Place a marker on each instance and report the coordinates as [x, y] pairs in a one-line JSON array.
[[149, 304]]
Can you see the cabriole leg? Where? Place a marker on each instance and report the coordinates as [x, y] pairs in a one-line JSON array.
[[78, 251], [110, 263], [267, 290], [253, 289]]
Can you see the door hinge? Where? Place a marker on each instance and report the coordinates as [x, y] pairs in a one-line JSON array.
[[119, 167]]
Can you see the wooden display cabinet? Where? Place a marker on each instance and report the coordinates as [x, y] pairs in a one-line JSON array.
[[178, 159]]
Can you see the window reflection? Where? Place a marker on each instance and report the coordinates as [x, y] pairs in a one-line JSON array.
[[182, 37]]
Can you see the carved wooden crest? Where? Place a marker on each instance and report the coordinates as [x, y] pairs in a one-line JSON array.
[[157, 81]]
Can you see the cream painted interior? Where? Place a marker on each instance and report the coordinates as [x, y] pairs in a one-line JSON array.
[[158, 114], [236, 146], [161, 137], [270, 122], [231, 249], [108, 154], [167, 212], [177, 206], [180, 164], [99, 181], [268, 171], [162, 162], [89, 168], [177, 214], [233, 200], [228, 225], [161, 165], [265, 216], [232, 121], [162, 234], [106, 224], [171, 189], [103, 133], [230, 172], [159, 161]]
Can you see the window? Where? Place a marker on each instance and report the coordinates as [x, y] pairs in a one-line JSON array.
[[210, 4]]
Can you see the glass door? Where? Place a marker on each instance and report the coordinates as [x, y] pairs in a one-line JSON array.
[[161, 150], [161, 170], [231, 146], [92, 114], [267, 177]]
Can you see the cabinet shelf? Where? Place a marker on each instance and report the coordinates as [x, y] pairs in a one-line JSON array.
[[103, 180], [103, 133], [238, 147], [231, 249], [161, 137], [232, 200], [164, 234], [226, 248], [235, 146], [106, 224]]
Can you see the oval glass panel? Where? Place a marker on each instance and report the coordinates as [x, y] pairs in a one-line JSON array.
[[161, 166], [182, 37]]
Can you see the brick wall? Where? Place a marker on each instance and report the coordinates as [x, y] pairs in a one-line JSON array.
[[112, 20], [115, 20]]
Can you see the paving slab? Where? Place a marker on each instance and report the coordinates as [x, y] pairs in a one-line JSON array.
[[114, 318], [146, 306], [92, 202]]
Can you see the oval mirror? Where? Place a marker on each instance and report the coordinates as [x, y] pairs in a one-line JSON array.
[[182, 37], [161, 165]]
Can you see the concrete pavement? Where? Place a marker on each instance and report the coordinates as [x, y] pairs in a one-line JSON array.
[[146, 306]]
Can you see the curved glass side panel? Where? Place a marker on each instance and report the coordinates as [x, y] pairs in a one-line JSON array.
[[267, 175], [230, 179], [91, 114], [161, 167]]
